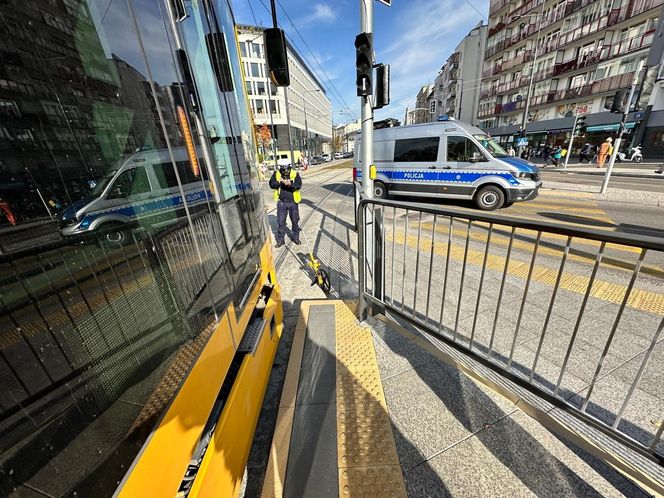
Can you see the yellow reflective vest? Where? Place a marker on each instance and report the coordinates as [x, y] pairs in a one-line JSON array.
[[297, 197]]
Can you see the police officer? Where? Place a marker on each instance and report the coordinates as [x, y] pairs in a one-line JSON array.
[[286, 184]]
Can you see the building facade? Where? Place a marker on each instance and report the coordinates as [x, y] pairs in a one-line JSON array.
[[345, 136], [425, 106], [580, 52], [456, 90], [310, 108]]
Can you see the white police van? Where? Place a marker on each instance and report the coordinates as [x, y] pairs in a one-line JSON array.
[[451, 160], [139, 189]]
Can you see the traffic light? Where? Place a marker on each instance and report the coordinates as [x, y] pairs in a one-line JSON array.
[[619, 102], [382, 86], [581, 126], [364, 63], [276, 55]]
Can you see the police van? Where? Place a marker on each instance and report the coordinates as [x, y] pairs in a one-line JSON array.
[[451, 160], [142, 187]]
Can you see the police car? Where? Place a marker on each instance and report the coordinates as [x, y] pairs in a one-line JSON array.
[[451, 160]]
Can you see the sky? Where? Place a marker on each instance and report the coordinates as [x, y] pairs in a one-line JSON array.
[[414, 36]]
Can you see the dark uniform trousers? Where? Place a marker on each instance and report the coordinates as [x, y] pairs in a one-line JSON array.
[[287, 209]]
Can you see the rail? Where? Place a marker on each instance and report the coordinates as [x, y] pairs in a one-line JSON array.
[[557, 309]]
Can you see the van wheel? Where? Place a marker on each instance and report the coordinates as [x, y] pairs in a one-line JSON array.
[[379, 190], [114, 235], [489, 198]]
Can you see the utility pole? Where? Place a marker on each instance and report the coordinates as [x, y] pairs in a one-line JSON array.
[[571, 140], [621, 130]]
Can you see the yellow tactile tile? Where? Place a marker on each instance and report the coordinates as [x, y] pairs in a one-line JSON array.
[[367, 456], [376, 481]]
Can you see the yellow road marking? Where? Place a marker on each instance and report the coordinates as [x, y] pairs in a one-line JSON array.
[[444, 228], [642, 300]]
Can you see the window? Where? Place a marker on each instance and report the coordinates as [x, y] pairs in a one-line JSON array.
[[131, 182], [165, 175], [432, 106], [256, 50], [416, 149], [243, 49], [260, 106], [249, 88], [461, 149], [260, 88], [274, 107], [254, 70]]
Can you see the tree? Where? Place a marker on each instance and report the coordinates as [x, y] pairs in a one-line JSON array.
[[337, 142], [265, 137]]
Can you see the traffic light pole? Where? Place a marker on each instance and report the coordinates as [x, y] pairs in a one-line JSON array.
[[621, 130], [571, 140], [366, 26]]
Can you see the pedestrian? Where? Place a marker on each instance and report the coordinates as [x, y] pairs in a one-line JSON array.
[[286, 184], [546, 153], [604, 151], [510, 151], [586, 153], [556, 154]]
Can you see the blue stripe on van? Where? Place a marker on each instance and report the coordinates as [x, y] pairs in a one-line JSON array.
[[447, 176], [150, 207]]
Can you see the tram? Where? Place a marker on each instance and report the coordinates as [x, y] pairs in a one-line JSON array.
[[136, 339]]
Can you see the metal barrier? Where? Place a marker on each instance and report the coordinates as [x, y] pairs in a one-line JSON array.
[[573, 314]]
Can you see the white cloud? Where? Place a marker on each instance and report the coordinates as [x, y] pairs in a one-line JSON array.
[[321, 12]]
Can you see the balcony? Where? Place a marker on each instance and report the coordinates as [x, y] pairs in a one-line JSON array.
[[594, 88], [497, 6], [512, 106], [615, 16], [607, 52], [487, 73]]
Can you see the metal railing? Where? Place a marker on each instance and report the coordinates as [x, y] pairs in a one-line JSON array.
[[574, 315]]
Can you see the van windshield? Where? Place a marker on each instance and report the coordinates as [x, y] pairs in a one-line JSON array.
[[103, 183], [491, 145]]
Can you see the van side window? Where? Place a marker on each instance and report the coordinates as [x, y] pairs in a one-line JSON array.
[[130, 182], [416, 149], [461, 149], [165, 175]]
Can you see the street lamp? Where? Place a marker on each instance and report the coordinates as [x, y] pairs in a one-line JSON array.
[[306, 125], [524, 120], [419, 109]]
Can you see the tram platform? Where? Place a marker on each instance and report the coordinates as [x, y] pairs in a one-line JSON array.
[[369, 409]]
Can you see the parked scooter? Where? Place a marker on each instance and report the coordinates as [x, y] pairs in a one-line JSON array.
[[633, 156]]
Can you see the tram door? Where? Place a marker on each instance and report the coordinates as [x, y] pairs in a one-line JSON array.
[[211, 67]]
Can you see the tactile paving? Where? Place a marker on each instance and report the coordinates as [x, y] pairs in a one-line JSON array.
[[376, 481], [367, 456]]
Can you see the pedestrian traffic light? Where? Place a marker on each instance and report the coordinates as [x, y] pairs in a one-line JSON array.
[[382, 97], [364, 63], [581, 126], [619, 102], [276, 55]]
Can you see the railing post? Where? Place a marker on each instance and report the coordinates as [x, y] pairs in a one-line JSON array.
[[361, 263]]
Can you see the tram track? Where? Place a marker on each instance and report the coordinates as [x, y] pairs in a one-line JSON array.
[[304, 221]]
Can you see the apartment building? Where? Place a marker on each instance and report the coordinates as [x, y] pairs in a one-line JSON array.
[[310, 108], [425, 106], [456, 89], [586, 51]]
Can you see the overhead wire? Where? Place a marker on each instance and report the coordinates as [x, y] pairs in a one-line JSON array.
[[329, 85]]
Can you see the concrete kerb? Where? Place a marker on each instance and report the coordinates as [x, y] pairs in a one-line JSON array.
[[624, 196]]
